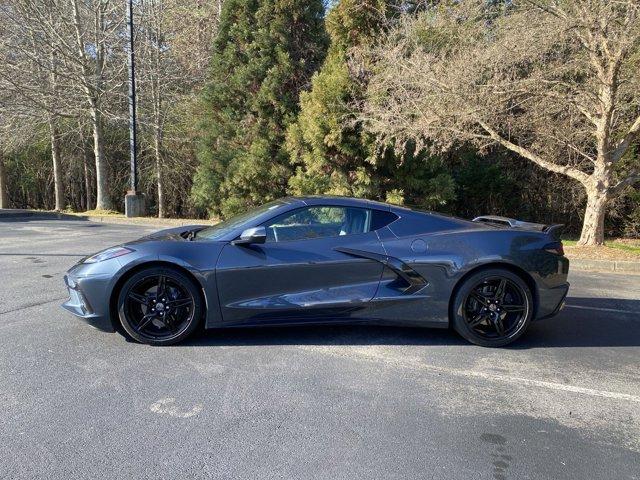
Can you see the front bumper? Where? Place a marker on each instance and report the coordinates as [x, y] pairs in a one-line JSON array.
[[86, 302]]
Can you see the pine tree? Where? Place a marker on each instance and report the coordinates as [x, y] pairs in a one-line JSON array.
[[265, 54], [331, 151]]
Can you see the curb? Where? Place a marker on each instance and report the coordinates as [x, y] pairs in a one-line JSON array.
[[142, 221], [17, 213], [139, 221], [618, 266]]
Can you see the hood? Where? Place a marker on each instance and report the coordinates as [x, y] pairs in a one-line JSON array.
[[176, 234]]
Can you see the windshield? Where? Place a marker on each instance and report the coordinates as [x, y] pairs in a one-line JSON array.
[[219, 230]]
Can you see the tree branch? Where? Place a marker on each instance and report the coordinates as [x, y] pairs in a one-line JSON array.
[[622, 184], [623, 144], [553, 167]]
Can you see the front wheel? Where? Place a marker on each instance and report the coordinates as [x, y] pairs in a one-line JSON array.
[[159, 306], [492, 308]]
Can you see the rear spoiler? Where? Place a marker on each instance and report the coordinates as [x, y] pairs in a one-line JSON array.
[[553, 231]]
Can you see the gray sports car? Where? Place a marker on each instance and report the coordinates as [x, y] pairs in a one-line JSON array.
[[329, 260]]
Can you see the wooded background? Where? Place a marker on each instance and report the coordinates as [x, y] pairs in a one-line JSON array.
[[529, 109]]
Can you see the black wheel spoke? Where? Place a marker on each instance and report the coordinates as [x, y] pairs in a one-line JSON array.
[[501, 289], [481, 299], [162, 284], [171, 321], [499, 326], [477, 320], [142, 299], [513, 308], [146, 320], [180, 302]]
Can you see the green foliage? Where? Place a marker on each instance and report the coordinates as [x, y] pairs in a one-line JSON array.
[[484, 185], [264, 55], [632, 221], [30, 175], [332, 156], [331, 151]]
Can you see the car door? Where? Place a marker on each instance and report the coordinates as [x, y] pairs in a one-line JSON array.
[[299, 274]]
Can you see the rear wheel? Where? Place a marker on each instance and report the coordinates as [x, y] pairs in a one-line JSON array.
[[159, 306], [492, 308]]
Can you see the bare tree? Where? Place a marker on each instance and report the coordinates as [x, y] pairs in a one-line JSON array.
[[54, 131], [68, 49], [29, 72], [170, 67], [158, 80], [555, 82], [97, 30], [4, 197]]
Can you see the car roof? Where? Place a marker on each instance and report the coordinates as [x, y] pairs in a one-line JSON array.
[[341, 201]]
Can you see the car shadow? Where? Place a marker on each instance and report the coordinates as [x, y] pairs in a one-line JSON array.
[[584, 322], [588, 322]]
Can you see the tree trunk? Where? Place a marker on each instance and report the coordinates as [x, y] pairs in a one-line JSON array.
[[4, 197], [103, 200], [159, 176], [593, 225], [86, 159], [57, 168], [87, 178], [58, 184]]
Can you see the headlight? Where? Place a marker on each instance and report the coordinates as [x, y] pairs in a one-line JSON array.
[[107, 254]]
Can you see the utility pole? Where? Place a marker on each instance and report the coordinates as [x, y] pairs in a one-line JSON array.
[[134, 200]]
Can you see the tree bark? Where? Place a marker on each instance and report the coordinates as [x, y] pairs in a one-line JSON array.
[[58, 184], [57, 168], [593, 225], [103, 200], [86, 160], [87, 178], [4, 196], [159, 176]]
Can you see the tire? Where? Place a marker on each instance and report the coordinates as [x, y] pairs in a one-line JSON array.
[[160, 306], [492, 308]]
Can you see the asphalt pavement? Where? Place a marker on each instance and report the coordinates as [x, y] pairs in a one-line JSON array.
[[312, 402]]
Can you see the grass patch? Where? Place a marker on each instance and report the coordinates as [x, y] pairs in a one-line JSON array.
[[101, 213], [95, 213], [625, 244], [635, 249]]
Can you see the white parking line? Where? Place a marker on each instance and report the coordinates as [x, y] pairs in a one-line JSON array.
[[369, 354], [600, 309]]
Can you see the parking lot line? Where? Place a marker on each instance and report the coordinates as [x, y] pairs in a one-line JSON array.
[[369, 355], [601, 309]]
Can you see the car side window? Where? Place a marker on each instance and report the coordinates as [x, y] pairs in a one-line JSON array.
[[382, 218], [318, 222]]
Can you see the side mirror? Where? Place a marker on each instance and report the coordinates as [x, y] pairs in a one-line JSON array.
[[251, 236]]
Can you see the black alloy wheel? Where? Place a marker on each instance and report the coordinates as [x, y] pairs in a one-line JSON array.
[[493, 308], [159, 306]]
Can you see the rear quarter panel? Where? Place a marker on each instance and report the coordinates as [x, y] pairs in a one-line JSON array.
[[443, 258]]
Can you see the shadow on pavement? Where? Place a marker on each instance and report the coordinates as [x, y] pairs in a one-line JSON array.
[[9, 216], [584, 322], [588, 322], [31, 254]]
